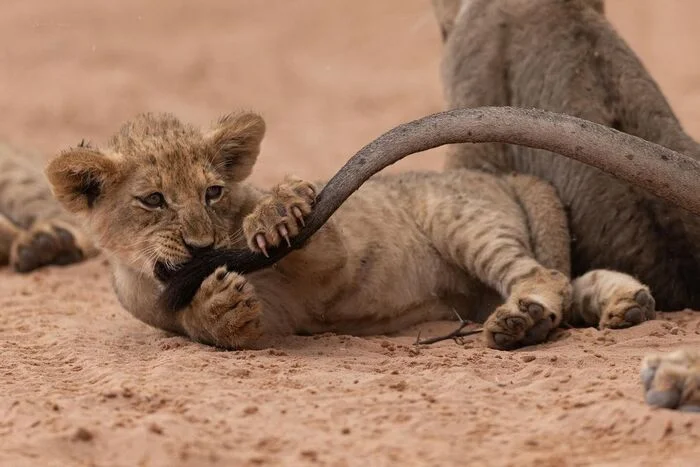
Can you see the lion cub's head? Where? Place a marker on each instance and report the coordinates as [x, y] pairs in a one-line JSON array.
[[161, 189]]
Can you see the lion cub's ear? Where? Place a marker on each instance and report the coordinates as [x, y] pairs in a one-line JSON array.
[[79, 176], [236, 141]]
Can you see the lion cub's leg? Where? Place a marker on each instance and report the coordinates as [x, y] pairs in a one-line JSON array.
[[672, 380], [611, 299], [535, 306], [491, 240]]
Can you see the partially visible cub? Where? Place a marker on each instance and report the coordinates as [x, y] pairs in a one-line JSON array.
[[403, 249], [35, 230], [672, 380]]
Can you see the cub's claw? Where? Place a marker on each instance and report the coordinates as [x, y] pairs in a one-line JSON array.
[[260, 242], [299, 215], [279, 216], [284, 233]]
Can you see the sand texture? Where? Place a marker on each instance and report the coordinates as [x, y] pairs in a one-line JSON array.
[[84, 383]]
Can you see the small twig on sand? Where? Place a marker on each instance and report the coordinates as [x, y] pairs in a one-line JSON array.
[[455, 335]]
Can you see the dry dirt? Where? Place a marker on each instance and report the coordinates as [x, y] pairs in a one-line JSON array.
[[83, 383]]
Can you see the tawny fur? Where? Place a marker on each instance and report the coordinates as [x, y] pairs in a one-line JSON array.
[[564, 56], [35, 230], [672, 380], [401, 250]]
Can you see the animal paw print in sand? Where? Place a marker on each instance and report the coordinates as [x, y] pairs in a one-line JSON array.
[[280, 215]]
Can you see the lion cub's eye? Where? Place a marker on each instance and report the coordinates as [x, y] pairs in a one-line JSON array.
[[214, 193], [154, 200]]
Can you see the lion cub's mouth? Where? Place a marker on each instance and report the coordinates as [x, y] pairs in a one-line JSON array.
[[165, 273]]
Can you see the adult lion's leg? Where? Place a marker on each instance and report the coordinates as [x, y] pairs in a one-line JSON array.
[[473, 75]]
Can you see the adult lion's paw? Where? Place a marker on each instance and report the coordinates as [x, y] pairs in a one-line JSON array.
[[280, 215], [672, 380]]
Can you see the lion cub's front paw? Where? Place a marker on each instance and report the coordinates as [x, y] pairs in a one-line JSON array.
[[225, 311], [49, 242], [533, 310], [672, 380], [280, 215]]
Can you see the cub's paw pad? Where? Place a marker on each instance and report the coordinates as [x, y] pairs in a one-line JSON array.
[[628, 308], [672, 380], [515, 325], [45, 244], [228, 309], [280, 215]]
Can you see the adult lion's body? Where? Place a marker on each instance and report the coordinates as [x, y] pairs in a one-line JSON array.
[[565, 57]]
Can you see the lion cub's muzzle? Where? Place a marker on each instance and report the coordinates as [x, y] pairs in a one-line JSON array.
[[164, 272]]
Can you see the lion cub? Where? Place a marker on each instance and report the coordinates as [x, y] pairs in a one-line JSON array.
[[35, 230], [403, 249], [672, 380]]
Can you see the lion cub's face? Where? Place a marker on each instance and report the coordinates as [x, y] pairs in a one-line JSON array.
[[161, 189]]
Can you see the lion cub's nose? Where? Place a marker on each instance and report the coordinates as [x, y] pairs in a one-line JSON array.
[[199, 245]]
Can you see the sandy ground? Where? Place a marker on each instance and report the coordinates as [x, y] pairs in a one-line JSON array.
[[83, 383]]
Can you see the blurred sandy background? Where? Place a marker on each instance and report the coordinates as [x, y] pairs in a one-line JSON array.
[[329, 75], [82, 383]]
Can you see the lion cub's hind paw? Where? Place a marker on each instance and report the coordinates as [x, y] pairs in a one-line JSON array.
[[534, 308], [628, 308], [280, 215], [515, 325], [46, 243], [672, 380]]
